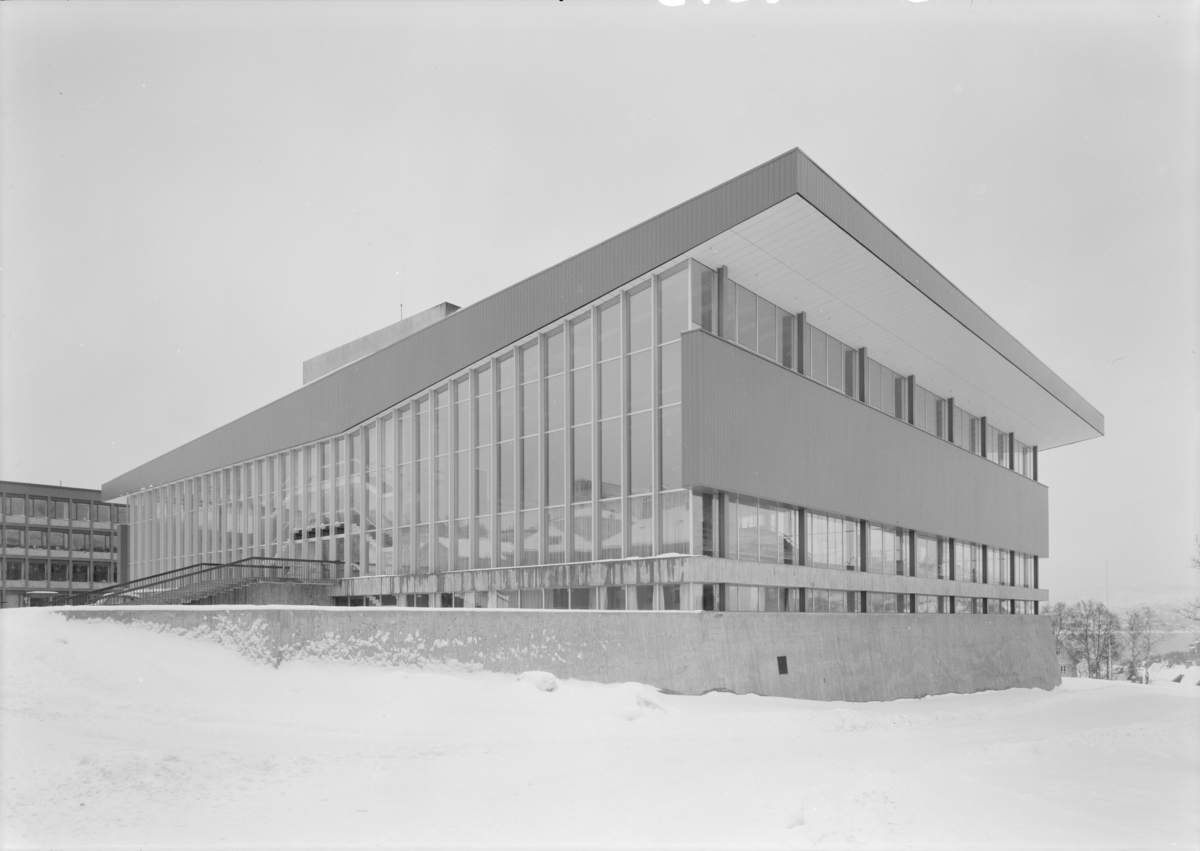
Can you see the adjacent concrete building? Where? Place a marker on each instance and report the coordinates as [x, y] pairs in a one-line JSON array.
[[761, 400], [59, 541]]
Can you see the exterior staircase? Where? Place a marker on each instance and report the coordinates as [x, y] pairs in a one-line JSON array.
[[201, 583]]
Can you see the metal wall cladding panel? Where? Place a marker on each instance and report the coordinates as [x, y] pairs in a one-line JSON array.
[[750, 426], [350, 395], [824, 193]]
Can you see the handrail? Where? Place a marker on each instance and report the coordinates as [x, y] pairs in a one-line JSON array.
[[252, 569]]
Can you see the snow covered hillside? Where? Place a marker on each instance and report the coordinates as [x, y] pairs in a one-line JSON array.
[[112, 735]]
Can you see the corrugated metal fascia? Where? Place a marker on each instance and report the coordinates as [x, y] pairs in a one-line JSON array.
[[844, 210], [751, 426], [341, 399]]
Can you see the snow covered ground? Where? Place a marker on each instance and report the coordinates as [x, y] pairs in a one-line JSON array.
[[116, 736]]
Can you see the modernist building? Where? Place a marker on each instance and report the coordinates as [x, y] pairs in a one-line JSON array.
[[59, 541], [759, 400]]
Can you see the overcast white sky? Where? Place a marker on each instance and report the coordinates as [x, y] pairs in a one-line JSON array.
[[198, 196]]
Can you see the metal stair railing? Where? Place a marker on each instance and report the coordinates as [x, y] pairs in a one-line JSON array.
[[208, 578]]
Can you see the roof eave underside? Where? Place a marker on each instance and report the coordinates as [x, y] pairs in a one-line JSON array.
[[360, 390]]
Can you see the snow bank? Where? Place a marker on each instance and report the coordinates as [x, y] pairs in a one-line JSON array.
[[119, 736]]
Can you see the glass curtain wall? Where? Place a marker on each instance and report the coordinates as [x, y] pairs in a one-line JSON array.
[[566, 446], [563, 447]]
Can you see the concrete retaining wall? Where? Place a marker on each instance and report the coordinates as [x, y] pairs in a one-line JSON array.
[[276, 594], [829, 656]]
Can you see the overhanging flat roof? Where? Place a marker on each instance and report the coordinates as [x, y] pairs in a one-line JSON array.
[[785, 230]]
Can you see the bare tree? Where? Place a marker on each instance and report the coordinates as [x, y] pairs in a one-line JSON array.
[[1058, 614], [1143, 632], [1092, 634]]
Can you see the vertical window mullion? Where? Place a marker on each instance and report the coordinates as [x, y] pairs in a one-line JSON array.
[[655, 418]]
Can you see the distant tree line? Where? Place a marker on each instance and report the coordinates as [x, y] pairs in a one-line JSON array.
[[1091, 633]]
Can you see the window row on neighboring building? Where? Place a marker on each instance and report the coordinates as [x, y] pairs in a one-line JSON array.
[[563, 447], [761, 530], [707, 597], [723, 307], [58, 540], [19, 508], [75, 572]]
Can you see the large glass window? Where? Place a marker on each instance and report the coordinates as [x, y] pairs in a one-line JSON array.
[[999, 567], [932, 557], [968, 562], [832, 541], [887, 550]]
